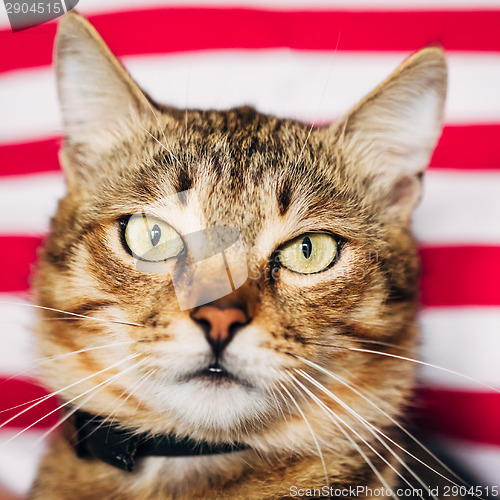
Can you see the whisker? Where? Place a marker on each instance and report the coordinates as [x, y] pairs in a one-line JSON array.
[[104, 384], [141, 381], [72, 319], [160, 143], [424, 363], [319, 104], [60, 407], [305, 144], [361, 341], [83, 350], [395, 422], [165, 146], [334, 417], [320, 453], [42, 361], [22, 404], [127, 323], [55, 393], [286, 402], [186, 106], [151, 371], [368, 425], [273, 392]]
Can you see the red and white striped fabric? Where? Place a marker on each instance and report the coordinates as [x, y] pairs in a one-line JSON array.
[[300, 58]]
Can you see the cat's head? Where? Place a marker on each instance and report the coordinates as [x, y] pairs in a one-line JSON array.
[[216, 254]]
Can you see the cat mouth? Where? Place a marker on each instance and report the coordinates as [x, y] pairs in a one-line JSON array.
[[216, 371], [216, 374]]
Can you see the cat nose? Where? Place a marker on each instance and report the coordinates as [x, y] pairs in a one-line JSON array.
[[220, 325]]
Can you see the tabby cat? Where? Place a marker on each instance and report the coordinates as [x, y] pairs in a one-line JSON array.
[[229, 295]]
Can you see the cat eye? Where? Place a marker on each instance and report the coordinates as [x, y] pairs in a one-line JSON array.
[[150, 239], [309, 253]]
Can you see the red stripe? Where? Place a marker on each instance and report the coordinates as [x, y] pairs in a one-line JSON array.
[[29, 157], [468, 147], [14, 392], [460, 276], [181, 29], [472, 147], [466, 415], [451, 276], [17, 255]]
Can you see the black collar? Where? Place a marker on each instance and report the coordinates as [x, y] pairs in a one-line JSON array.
[[119, 447]]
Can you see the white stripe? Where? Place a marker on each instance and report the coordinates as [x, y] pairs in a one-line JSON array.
[[19, 459], [283, 82], [483, 462], [17, 352], [457, 207], [89, 7], [27, 202], [462, 339]]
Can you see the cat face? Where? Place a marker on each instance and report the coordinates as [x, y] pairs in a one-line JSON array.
[[304, 233]]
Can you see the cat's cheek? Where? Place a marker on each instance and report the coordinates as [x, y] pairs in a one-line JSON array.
[[292, 281], [181, 351]]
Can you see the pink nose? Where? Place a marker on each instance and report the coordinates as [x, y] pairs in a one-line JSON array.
[[219, 325]]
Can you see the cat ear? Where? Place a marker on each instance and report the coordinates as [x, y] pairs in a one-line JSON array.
[[388, 138], [99, 100]]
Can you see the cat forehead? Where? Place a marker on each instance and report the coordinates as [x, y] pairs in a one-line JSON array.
[[241, 148], [238, 122], [238, 134], [233, 154]]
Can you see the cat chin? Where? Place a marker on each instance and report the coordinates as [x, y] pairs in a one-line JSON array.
[[221, 406]]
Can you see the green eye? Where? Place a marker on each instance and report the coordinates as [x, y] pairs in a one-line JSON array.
[[309, 253], [151, 239]]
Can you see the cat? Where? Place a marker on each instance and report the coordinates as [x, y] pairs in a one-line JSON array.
[[231, 294]]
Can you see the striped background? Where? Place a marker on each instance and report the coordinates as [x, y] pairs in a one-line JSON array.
[[281, 57]]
